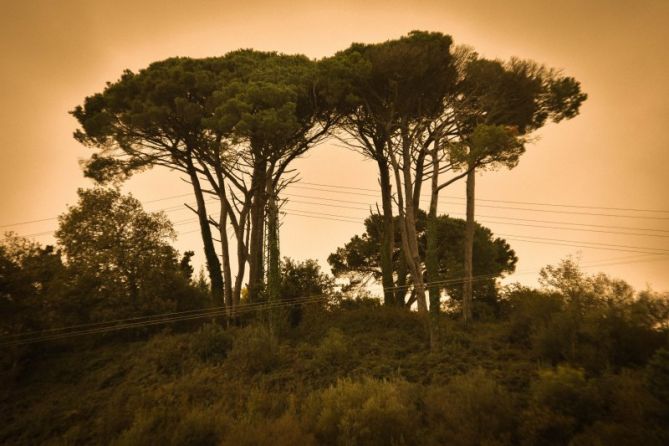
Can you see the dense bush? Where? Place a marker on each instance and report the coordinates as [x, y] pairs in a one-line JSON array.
[[211, 343], [286, 430], [562, 403], [168, 354], [473, 409], [658, 375], [583, 364], [333, 351], [370, 412], [255, 350], [112, 261]]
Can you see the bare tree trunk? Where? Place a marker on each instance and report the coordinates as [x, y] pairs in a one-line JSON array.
[[273, 273], [256, 254], [225, 257], [401, 289], [431, 254], [408, 235], [409, 227], [213, 264], [242, 258], [467, 297], [273, 263], [388, 238]]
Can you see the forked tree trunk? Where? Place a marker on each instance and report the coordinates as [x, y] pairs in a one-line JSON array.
[[242, 258], [408, 222]]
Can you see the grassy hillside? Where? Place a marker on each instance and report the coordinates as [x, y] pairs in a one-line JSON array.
[[355, 374]]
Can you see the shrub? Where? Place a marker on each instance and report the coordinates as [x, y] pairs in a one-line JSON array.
[[657, 376], [562, 403], [255, 350], [333, 350], [617, 434], [211, 343], [148, 427], [169, 354], [471, 410], [199, 427], [528, 310], [175, 426], [555, 341], [283, 431], [631, 413], [370, 412]]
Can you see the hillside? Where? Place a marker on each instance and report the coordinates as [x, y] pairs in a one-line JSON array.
[[355, 373]]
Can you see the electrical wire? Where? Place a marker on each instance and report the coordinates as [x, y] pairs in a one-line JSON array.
[[501, 201], [166, 320]]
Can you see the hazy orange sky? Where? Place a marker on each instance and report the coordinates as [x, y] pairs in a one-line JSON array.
[[615, 154]]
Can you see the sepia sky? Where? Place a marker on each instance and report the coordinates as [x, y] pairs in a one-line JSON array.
[[614, 155]]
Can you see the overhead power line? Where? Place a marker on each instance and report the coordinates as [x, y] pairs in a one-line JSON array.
[[660, 250], [335, 188], [559, 242], [441, 198], [494, 216], [181, 207], [205, 313], [141, 319], [511, 237], [517, 238], [537, 203]]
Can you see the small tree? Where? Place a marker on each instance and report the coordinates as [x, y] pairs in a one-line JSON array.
[[28, 273], [119, 254], [301, 282], [359, 259]]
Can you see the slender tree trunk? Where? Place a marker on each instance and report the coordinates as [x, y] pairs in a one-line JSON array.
[[409, 246], [256, 254], [273, 273], [213, 264], [467, 297], [402, 270], [273, 265], [432, 261], [388, 238], [242, 258], [408, 230], [225, 257], [409, 227], [431, 253]]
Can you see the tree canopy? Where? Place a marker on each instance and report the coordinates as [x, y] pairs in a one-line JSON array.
[[120, 256], [359, 259]]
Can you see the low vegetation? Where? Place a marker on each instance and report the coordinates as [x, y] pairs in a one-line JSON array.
[[589, 367]]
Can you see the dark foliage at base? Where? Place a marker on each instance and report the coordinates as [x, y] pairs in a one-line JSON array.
[[544, 373]]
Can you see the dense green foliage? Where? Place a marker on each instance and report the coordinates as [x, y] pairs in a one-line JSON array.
[[29, 274], [359, 260], [558, 366], [113, 260]]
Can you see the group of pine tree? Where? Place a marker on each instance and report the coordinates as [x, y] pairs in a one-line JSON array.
[[291, 358]]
